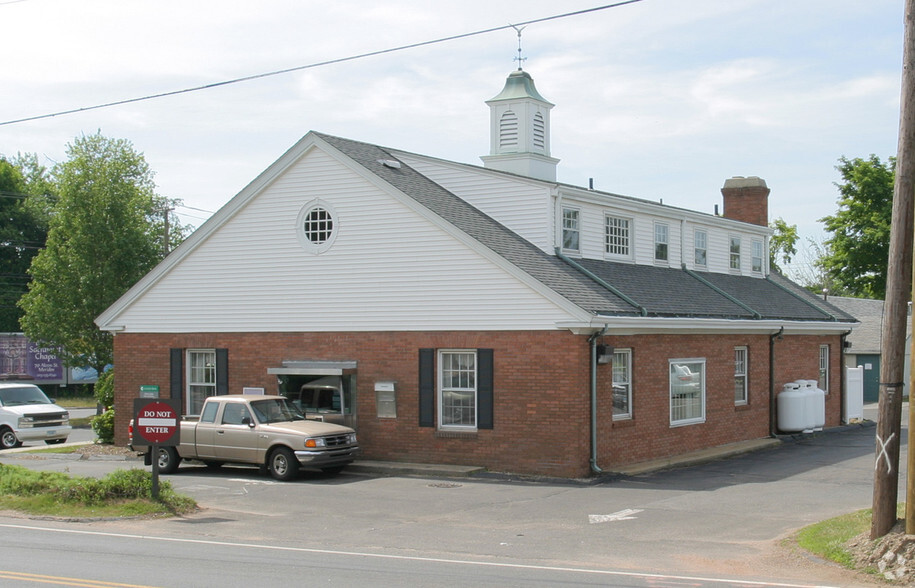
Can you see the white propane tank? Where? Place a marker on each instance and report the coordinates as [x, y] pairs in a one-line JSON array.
[[819, 405], [791, 403], [809, 404]]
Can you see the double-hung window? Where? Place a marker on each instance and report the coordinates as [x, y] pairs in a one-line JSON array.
[[735, 253], [823, 380], [661, 241], [740, 375], [700, 241], [758, 256], [571, 233], [687, 391], [622, 384], [457, 389], [618, 236], [201, 377]]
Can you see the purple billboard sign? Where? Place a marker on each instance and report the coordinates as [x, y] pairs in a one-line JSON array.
[[22, 359]]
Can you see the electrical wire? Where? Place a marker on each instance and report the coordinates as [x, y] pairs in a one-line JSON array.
[[318, 64]]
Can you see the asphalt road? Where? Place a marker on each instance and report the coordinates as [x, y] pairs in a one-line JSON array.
[[715, 524]]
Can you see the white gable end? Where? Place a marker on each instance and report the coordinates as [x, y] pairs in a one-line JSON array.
[[389, 268], [523, 206]]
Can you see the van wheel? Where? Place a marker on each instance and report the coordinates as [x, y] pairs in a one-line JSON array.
[[8, 439], [168, 460], [282, 464]]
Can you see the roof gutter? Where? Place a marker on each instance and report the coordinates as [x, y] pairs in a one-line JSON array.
[[642, 310]]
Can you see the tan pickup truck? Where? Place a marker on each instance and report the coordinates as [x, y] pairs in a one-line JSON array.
[[260, 430]]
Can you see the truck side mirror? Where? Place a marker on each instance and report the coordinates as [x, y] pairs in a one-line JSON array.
[[247, 421]]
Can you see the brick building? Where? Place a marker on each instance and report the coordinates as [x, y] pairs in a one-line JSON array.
[[481, 315]]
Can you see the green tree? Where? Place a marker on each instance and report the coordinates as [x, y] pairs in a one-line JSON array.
[[25, 197], [857, 251], [782, 244], [104, 235]]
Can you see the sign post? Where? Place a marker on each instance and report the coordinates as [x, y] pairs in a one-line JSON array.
[[157, 422]]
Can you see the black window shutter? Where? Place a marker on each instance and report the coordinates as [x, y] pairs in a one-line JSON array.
[[484, 389], [175, 372], [222, 372], [427, 387]]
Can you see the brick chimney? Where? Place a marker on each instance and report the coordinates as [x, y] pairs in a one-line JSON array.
[[746, 199]]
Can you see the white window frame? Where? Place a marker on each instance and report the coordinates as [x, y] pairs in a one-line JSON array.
[[700, 244], [741, 375], [823, 378], [682, 414], [620, 245], [622, 378], [200, 377], [306, 233], [571, 227], [662, 242], [734, 261], [757, 259], [467, 384]]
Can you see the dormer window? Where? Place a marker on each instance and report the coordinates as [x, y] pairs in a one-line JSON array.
[[570, 229], [661, 242], [758, 256], [734, 253], [618, 236], [700, 240]]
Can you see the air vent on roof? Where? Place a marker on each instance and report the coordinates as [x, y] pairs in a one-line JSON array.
[[390, 163]]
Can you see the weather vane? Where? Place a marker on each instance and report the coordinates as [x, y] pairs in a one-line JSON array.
[[519, 59]]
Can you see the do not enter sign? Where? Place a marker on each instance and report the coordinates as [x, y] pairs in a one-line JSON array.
[[157, 422]]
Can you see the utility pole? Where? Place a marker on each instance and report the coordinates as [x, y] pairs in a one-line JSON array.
[[895, 308]]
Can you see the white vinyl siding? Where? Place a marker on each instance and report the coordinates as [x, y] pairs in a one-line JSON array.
[[252, 266], [522, 206]]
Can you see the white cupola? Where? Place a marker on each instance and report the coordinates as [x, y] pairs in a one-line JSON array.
[[520, 130]]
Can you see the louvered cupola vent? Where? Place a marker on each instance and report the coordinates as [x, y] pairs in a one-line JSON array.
[[539, 132], [508, 130]]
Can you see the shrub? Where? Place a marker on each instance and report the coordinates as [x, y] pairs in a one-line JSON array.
[[104, 389], [103, 425]]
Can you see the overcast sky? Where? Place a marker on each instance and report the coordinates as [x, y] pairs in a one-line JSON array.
[[658, 99]]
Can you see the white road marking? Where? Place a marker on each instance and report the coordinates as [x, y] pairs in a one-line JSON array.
[[622, 515]]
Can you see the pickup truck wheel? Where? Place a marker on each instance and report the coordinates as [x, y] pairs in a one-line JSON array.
[[168, 460], [8, 439], [282, 464]]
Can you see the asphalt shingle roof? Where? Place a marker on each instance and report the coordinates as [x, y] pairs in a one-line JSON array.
[[656, 291]]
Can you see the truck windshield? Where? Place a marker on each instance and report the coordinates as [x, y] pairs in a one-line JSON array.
[[23, 395], [275, 410]]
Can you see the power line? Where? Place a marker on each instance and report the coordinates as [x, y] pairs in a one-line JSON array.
[[319, 64]]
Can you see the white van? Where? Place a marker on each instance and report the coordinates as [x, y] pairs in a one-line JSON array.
[[26, 414]]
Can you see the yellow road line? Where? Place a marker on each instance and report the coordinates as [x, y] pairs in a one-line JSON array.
[[62, 581]]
